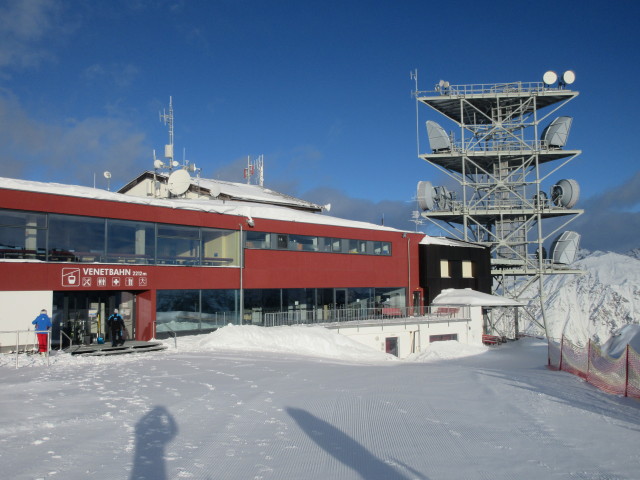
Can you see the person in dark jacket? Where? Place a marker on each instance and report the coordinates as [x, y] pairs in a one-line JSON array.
[[43, 325], [116, 324]]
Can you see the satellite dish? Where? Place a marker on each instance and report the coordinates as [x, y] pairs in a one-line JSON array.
[[179, 182], [327, 207], [550, 77], [565, 193], [568, 77], [565, 247], [540, 199], [438, 138], [426, 195], [158, 164], [107, 175], [215, 190], [556, 133]]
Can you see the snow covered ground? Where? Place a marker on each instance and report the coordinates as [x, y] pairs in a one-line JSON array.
[[306, 403]]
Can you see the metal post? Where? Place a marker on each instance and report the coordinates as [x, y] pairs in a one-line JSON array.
[[241, 254]]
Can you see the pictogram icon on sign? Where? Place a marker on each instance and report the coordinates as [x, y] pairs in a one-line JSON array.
[[70, 277]]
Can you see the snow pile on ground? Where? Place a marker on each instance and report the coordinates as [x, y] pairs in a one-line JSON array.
[[616, 346], [299, 339], [447, 350]]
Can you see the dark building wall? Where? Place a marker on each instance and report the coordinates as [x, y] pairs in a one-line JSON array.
[[431, 279]]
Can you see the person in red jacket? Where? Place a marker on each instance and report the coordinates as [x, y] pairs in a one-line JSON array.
[[43, 325]]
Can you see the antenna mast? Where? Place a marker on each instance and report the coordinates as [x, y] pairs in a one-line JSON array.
[[167, 118]]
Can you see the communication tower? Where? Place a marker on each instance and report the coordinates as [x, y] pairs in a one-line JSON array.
[[509, 143]]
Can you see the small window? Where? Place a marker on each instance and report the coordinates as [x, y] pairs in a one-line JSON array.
[[444, 268], [467, 269], [283, 241], [443, 338], [336, 245]]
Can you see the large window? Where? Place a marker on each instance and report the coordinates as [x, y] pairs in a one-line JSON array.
[[178, 245], [130, 242], [72, 238], [177, 310], [220, 247], [22, 234], [76, 239]]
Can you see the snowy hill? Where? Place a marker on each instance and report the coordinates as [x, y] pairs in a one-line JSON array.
[[596, 304]]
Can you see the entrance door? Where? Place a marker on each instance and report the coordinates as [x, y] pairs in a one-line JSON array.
[[341, 298], [83, 314], [417, 307]]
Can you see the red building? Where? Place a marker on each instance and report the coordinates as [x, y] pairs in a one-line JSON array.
[[217, 253]]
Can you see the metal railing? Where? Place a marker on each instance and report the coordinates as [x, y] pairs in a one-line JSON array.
[[377, 315], [33, 341]]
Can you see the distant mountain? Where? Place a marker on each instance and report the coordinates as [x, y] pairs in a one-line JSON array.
[[595, 304]]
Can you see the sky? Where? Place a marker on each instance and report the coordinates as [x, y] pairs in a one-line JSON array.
[[321, 89], [240, 403]]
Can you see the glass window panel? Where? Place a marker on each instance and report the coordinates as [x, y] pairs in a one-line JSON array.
[[283, 241], [130, 242], [444, 268], [15, 218], [21, 242], [390, 297], [178, 245], [336, 245], [177, 310], [303, 243], [467, 269], [258, 239], [220, 247], [76, 239], [219, 307], [386, 248]]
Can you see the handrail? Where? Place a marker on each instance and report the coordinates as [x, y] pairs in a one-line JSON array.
[[18, 332], [68, 338]]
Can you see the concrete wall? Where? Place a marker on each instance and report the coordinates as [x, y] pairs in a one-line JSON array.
[[19, 309], [415, 337]]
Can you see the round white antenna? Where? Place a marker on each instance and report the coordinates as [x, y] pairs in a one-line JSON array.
[[175, 163], [568, 77], [158, 164], [426, 195], [107, 175], [179, 182], [565, 193], [550, 77]]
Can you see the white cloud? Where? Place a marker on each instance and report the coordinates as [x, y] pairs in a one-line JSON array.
[[27, 29], [68, 152]]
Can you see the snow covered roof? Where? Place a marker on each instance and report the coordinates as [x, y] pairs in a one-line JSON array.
[[451, 242], [230, 191], [244, 209], [469, 297]]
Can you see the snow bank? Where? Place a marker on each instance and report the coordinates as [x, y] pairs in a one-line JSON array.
[[616, 345], [446, 350], [299, 339]]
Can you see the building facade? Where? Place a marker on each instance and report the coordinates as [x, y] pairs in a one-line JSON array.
[[188, 265]]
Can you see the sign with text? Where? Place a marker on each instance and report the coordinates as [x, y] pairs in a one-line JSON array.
[[104, 277]]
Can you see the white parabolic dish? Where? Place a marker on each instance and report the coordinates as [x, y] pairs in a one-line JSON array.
[[179, 182]]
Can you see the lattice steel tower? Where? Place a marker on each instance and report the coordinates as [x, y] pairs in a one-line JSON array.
[[499, 162]]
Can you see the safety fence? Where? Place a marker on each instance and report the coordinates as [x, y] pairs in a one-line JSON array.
[[26, 342], [380, 315], [619, 376]]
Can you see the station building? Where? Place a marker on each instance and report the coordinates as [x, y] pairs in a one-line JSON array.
[[215, 253]]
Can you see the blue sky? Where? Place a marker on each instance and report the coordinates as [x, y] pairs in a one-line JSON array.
[[321, 89]]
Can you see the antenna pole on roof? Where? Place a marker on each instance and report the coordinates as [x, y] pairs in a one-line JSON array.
[[167, 118]]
